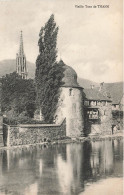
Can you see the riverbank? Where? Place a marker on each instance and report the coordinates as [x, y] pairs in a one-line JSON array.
[[93, 138], [110, 186], [119, 135], [102, 137]]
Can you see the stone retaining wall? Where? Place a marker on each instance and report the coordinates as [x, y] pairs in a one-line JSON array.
[[37, 133], [101, 129]]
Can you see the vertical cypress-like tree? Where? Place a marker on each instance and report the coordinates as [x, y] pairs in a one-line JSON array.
[[48, 73]]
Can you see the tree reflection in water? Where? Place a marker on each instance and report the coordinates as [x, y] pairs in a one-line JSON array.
[[63, 169]]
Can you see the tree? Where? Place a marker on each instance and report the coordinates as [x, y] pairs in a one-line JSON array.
[[48, 73], [17, 95]]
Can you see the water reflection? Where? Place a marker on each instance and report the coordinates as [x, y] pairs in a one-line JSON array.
[[63, 169], [102, 158], [69, 171]]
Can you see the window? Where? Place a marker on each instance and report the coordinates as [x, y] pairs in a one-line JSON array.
[[86, 103], [70, 92], [93, 114], [23, 60], [98, 103], [93, 103], [103, 103]]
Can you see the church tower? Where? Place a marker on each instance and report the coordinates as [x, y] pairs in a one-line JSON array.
[[21, 68]]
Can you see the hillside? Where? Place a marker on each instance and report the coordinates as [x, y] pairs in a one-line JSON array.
[[9, 66], [116, 89], [85, 83], [113, 88]]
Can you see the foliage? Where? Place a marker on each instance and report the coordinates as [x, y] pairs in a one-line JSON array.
[[49, 74], [18, 96], [19, 119]]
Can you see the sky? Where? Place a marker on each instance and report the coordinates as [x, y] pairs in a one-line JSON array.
[[89, 39]]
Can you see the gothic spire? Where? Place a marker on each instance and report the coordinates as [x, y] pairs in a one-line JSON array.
[[21, 67], [21, 49]]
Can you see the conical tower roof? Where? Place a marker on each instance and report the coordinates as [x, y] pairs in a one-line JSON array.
[[70, 76]]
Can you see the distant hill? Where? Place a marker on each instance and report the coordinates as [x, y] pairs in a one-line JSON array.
[[85, 83], [115, 89], [9, 66]]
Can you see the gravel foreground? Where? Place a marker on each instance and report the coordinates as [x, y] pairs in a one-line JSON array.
[[111, 186]]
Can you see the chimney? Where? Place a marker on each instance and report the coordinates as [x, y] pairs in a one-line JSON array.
[[101, 86], [92, 86]]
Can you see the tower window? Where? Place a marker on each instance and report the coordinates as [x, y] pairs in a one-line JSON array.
[[70, 92]]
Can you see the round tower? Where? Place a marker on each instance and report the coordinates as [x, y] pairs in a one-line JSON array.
[[70, 103]]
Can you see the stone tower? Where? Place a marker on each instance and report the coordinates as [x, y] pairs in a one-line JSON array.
[[70, 103], [21, 68]]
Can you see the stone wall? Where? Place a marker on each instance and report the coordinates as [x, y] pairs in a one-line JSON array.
[[70, 107], [106, 118], [32, 134]]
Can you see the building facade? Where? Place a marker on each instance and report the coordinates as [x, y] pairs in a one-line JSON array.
[[97, 112]]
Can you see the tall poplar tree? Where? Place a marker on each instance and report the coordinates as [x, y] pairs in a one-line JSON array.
[[48, 73]]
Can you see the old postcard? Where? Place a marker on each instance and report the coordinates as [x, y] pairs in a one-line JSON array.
[[61, 97]]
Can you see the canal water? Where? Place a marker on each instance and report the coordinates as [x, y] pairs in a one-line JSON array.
[[63, 169]]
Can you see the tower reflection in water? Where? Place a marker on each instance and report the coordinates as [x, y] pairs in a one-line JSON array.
[[102, 158], [59, 169]]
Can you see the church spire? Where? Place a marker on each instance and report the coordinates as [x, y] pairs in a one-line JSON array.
[[21, 68], [21, 50]]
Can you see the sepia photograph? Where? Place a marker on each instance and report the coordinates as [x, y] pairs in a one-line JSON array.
[[61, 97]]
